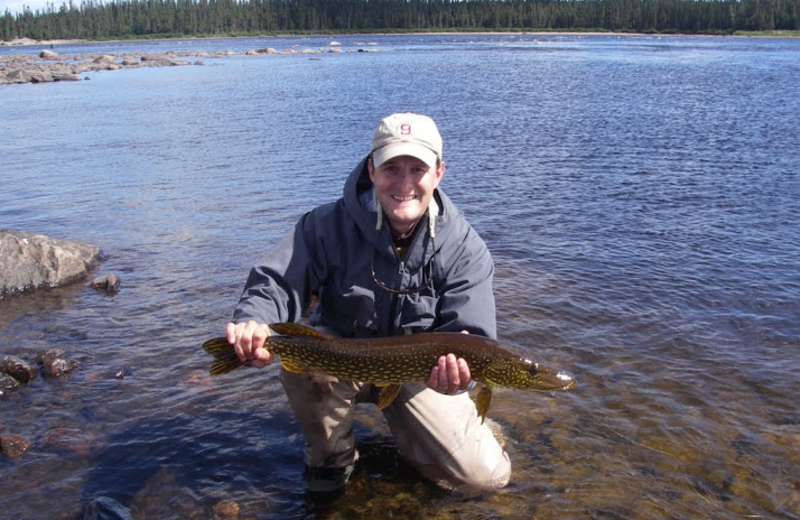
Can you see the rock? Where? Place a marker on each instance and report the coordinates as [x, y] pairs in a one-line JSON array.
[[66, 77], [108, 283], [55, 365], [29, 261], [13, 446], [7, 384], [49, 55], [18, 369], [18, 76], [73, 440], [225, 510], [41, 77], [105, 508]]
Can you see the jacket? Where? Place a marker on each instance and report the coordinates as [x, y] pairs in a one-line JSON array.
[[332, 251]]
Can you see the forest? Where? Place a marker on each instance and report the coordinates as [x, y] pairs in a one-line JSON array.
[[122, 19]]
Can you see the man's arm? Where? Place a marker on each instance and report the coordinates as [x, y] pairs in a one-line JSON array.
[[276, 291]]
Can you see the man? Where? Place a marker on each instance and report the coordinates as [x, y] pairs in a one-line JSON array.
[[392, 256]]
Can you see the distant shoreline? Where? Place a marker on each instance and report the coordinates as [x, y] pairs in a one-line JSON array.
[[27, 42]]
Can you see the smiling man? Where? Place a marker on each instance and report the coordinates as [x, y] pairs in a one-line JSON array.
[[392, 256]]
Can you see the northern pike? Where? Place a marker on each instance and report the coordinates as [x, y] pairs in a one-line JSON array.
[[391, 361]]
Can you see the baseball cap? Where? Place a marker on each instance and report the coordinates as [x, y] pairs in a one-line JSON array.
[[406, 134]]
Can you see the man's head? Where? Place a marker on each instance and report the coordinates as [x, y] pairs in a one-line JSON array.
[[409, 134], [405, 168]]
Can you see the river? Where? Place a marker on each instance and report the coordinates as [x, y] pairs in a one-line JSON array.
[[640, 196]]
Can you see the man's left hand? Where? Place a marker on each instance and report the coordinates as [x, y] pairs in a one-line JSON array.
[[450, 375]]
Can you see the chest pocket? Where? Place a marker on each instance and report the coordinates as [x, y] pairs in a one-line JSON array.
[[351, 313], [418, 311]]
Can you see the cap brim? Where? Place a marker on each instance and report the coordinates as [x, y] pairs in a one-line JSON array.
[[391, 151]]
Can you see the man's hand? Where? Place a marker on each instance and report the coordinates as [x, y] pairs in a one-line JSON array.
[[248, 342], [450, 375]]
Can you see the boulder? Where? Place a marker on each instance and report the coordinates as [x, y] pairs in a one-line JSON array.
[[43, 76], [18, 76], [55, 365], [109, 284], [18, 369], [7, 384], [49, 55], [29, 261], [13, 446]]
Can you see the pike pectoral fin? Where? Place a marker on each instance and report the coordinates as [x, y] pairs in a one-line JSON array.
[[223, 365], [387, 395], [217, 347], [225, 356], [293, 367], [482, 402]]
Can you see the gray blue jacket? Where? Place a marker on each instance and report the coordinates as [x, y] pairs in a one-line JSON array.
[[331, 253]]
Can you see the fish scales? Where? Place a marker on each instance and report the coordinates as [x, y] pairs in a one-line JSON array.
[[403, 359]]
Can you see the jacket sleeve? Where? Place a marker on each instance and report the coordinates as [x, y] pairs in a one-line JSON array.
[[467, 298], [279, 288]]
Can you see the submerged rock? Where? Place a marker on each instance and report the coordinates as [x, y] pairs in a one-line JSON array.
[[108, 283], [105, 508], [55, 365], [29, 261], [18, 369], [13, 446], [7, 384], [225, 510]]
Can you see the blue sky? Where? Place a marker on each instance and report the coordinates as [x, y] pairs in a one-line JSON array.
[[15, 6]]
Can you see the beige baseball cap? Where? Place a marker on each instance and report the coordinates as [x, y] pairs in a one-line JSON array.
[[406, 134]]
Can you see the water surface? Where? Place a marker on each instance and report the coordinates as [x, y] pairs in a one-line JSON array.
[[640, 198]]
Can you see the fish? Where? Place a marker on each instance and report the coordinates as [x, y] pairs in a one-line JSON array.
[[388, 362]]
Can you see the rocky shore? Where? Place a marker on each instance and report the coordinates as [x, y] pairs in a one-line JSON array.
[[49, 66]]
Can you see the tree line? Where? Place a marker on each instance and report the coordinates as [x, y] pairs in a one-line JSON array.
[[95, 19]]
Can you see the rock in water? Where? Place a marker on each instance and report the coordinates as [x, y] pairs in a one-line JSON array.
[[29, 261], [104, 508], [18, 369]]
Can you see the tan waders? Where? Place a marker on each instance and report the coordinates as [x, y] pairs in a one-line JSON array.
[[440, 435]]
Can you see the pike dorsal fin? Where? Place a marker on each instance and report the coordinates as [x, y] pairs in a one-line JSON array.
[[295, 329]]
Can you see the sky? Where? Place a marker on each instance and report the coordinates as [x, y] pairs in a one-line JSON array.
[[15, 6]]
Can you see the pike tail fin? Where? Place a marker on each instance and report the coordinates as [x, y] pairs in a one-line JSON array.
[[224, 355]]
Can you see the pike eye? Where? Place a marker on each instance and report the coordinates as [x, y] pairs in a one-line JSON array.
[[534, 369]]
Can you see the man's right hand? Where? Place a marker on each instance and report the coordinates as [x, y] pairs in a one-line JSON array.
[[248, 342]]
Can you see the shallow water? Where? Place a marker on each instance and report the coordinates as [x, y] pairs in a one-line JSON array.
[[640, 198]]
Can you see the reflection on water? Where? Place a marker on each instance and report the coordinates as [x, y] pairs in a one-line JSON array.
[[639, 195]]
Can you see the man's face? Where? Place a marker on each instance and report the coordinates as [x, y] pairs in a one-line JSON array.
[[404, 186]]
